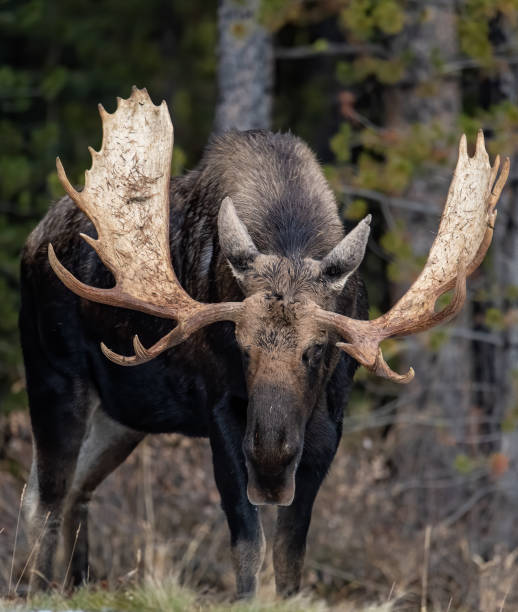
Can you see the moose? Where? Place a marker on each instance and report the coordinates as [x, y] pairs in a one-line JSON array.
[[250, 315]]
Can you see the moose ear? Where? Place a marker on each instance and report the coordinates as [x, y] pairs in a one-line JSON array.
[[347, 255], [234, 239]]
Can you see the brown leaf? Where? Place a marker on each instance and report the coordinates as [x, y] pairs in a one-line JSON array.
[[498, 464]]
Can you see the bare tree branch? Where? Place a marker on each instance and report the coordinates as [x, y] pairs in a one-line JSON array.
[[307, 51], [395, 201], [466, 507]]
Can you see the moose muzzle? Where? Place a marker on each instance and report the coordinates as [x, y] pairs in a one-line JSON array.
[[272, 446]]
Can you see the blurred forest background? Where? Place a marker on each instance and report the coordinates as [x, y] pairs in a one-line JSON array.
[[381, 90]]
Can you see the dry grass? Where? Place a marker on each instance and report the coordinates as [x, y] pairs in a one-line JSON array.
[[169, 596], [159, 515]]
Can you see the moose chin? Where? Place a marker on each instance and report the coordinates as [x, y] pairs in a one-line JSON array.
[[247, 255]]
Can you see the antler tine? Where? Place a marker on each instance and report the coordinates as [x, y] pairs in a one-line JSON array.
[[379, 367], [126, 196], [464, 235], [118, 359], [480, 146], [208, 313], [499, 185], [67, 186], [383, 370], [143, 355], [492, 213], [72, 282], [111, 297], [140, 352]]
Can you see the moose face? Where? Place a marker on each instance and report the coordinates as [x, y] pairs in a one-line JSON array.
[[286, 352], [286, 358]]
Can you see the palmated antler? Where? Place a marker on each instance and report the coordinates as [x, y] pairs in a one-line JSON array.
[[465, 233], [126, 195]]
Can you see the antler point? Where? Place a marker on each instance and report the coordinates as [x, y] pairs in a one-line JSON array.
[[93, 153], [480, 146], [110, 354], [102, 112], [140, 351], [91, 241], [63, 179], [463, 146], [116, 358], [407, 378]]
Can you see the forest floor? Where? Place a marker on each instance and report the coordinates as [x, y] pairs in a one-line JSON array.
[[159, 515], [171, 597]]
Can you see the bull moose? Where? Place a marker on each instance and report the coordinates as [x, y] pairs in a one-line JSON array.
[[247, 254]]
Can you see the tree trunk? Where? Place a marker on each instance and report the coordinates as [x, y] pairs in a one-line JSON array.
[[501, 375], [441, 391], [440, 453], [443, 376], [245, 72]]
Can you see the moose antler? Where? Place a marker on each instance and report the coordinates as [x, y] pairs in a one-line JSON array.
[[465, 233], [126, 195]]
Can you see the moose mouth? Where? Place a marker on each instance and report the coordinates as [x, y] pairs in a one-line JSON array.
[[268, 489]]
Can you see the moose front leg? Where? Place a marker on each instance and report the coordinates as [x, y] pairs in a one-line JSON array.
[[246, 533], [106, 446], [293, 521]]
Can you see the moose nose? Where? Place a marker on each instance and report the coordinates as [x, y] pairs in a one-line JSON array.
[[268, 454], [272, 444], [271, 470]]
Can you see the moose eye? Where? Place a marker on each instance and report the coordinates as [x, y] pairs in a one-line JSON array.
[[334, 271], [313, 355], [245, 354]]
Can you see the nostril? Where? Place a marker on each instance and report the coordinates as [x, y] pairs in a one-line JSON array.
[[290, 447], [289, 451]]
